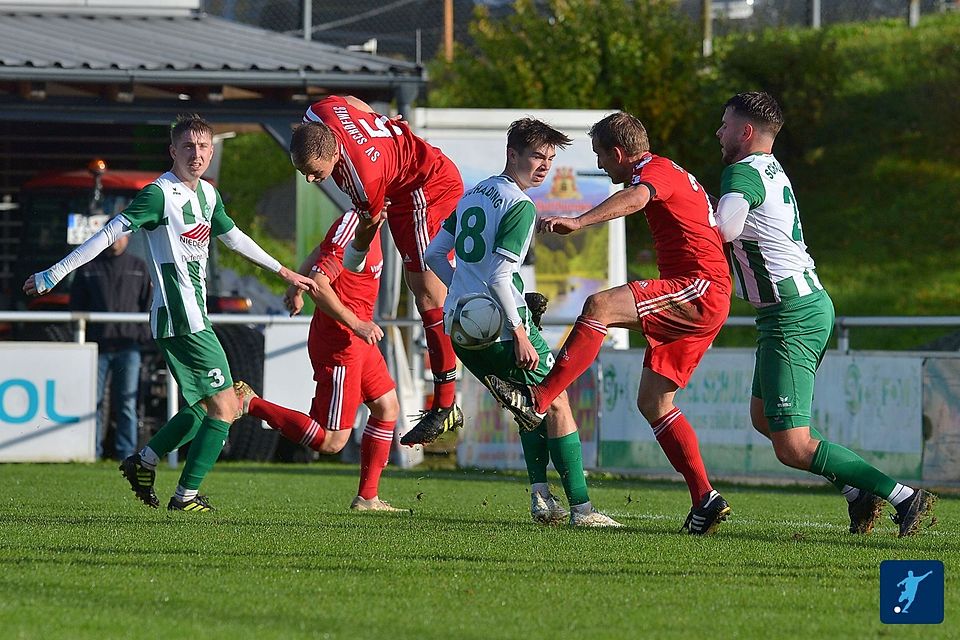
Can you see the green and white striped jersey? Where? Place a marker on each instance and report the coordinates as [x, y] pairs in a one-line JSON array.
[[178, 223], [496, 216], [769, 258]]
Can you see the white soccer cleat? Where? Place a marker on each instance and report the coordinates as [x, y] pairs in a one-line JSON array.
[[546, 510], [592, 518], [373, 504]]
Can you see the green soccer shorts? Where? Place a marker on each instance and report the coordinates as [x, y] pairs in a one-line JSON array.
[[793, 337], [198, 364], [498, 359]]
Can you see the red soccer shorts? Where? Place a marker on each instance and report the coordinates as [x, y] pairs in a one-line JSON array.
[[344, 382], [680, 318], [415, 217]]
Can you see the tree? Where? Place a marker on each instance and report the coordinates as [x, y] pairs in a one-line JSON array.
[[641, 56]]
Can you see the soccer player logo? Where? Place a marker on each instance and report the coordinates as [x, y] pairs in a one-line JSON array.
[[911, 592], [909, 584]]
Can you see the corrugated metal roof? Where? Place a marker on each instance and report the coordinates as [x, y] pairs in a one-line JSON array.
[[184, 49]]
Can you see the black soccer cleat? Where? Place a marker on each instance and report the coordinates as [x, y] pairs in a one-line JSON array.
[[536, 306], [141, 480], [704, 520], [197, 504], [864, 512], [517, 399], [433, 424], [911, 512]]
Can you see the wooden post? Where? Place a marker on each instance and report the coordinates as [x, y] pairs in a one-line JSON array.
[[448, 30]]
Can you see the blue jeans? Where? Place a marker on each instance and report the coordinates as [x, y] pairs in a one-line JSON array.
[[125, 369]]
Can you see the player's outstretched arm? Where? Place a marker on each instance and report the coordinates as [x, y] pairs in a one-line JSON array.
[[294, 279], [293, 297], [560, 225], [42, 282], [620, 204], [239, 242]]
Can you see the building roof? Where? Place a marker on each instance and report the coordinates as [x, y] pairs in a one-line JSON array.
[[179, 49]]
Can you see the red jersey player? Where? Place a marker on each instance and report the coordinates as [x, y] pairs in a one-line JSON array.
[[383, 167], [679, 314], [347, 364]]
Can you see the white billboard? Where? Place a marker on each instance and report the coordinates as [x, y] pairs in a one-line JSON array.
[[871, 404], [47, 402]]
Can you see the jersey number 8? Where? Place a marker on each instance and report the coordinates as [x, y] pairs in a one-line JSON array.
[[470, 244]]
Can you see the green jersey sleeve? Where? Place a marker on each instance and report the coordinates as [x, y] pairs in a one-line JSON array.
[[220, 223], [146, 209], [743, 179], [514, 229], [450, 224]]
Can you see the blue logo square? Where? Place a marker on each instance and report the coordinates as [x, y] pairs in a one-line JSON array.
[[911, 592]]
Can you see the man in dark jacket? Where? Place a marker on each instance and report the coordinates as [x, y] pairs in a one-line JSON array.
[[116, 281]]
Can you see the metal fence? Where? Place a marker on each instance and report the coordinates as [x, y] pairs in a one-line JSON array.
[[80, 319], [414, 29]]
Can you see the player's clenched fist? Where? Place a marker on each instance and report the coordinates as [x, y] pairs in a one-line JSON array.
[[30, 286]]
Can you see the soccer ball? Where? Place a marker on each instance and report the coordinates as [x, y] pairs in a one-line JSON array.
[[477, 321]]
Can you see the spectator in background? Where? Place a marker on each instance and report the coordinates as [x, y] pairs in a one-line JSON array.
[[116, 281]]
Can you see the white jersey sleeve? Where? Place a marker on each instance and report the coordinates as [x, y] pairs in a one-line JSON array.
[[769, 256]]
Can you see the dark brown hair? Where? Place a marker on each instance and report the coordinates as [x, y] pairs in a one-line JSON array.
[[312, 141], [533, 133], [759, 108]]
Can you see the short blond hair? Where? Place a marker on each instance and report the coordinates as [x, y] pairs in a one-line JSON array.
[[622, 130]]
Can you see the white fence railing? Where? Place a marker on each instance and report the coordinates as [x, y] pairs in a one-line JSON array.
[[843, 323]]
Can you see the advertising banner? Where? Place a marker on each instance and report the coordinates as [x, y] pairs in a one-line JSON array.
[[48, 402], [941, 419], [869, 403]]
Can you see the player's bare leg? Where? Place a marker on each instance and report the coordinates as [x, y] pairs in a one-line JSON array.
[[798, 448], [300, 428], [863, 507]]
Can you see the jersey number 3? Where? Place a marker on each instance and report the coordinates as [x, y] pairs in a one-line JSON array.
[[217, 376]]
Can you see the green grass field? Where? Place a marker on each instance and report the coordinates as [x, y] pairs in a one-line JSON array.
[[283, 557]]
